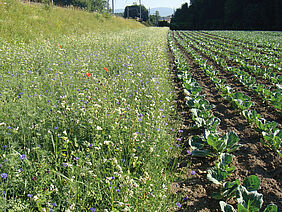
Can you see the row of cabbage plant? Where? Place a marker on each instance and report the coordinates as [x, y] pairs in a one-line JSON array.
[[269, 130], [251, 58], [271, 94], [269, 42], [214, 145]]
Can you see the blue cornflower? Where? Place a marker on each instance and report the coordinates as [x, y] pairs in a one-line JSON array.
[[54, 204], [4, 175], [23, 157], [178, 204], [193, 172], [29, 195], [92, 209]]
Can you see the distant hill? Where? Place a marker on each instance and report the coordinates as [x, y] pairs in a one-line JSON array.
[[164, 11]]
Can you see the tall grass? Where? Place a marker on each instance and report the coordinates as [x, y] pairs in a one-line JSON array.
[[26, 22]]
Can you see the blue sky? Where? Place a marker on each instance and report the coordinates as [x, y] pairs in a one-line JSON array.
[[121, 4]]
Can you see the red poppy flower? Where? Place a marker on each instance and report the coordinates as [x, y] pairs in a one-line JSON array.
[[107, 70], [88, 74], [60, 46]]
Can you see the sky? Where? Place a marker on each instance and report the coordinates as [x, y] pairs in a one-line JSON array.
[[174, 4]]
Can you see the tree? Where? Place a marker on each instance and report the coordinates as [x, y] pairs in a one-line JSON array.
[[154, 19], [133, 11], [229, 14], [90, 5]]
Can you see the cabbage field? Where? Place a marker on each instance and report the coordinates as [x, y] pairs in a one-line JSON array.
[[230, 86]]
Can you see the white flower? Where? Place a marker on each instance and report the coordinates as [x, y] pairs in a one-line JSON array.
[[36, 197], [72, 207], [114, 160], [119, 168], [107, 142]]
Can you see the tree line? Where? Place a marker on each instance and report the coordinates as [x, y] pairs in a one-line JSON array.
[[89, 5], [228, 14]]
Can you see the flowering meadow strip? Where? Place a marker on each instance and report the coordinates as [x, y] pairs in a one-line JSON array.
[[85, 123]]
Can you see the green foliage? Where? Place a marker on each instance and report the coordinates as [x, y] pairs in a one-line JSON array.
[[226, 207], [205, 119], [251, 115], [241, 101], [216, 175], [213, 145], [228, 190], [155, 19], [221, 171], [134, 12], [271, 208], [199, 103], [228, 14], [251, 183], [248, 201]]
